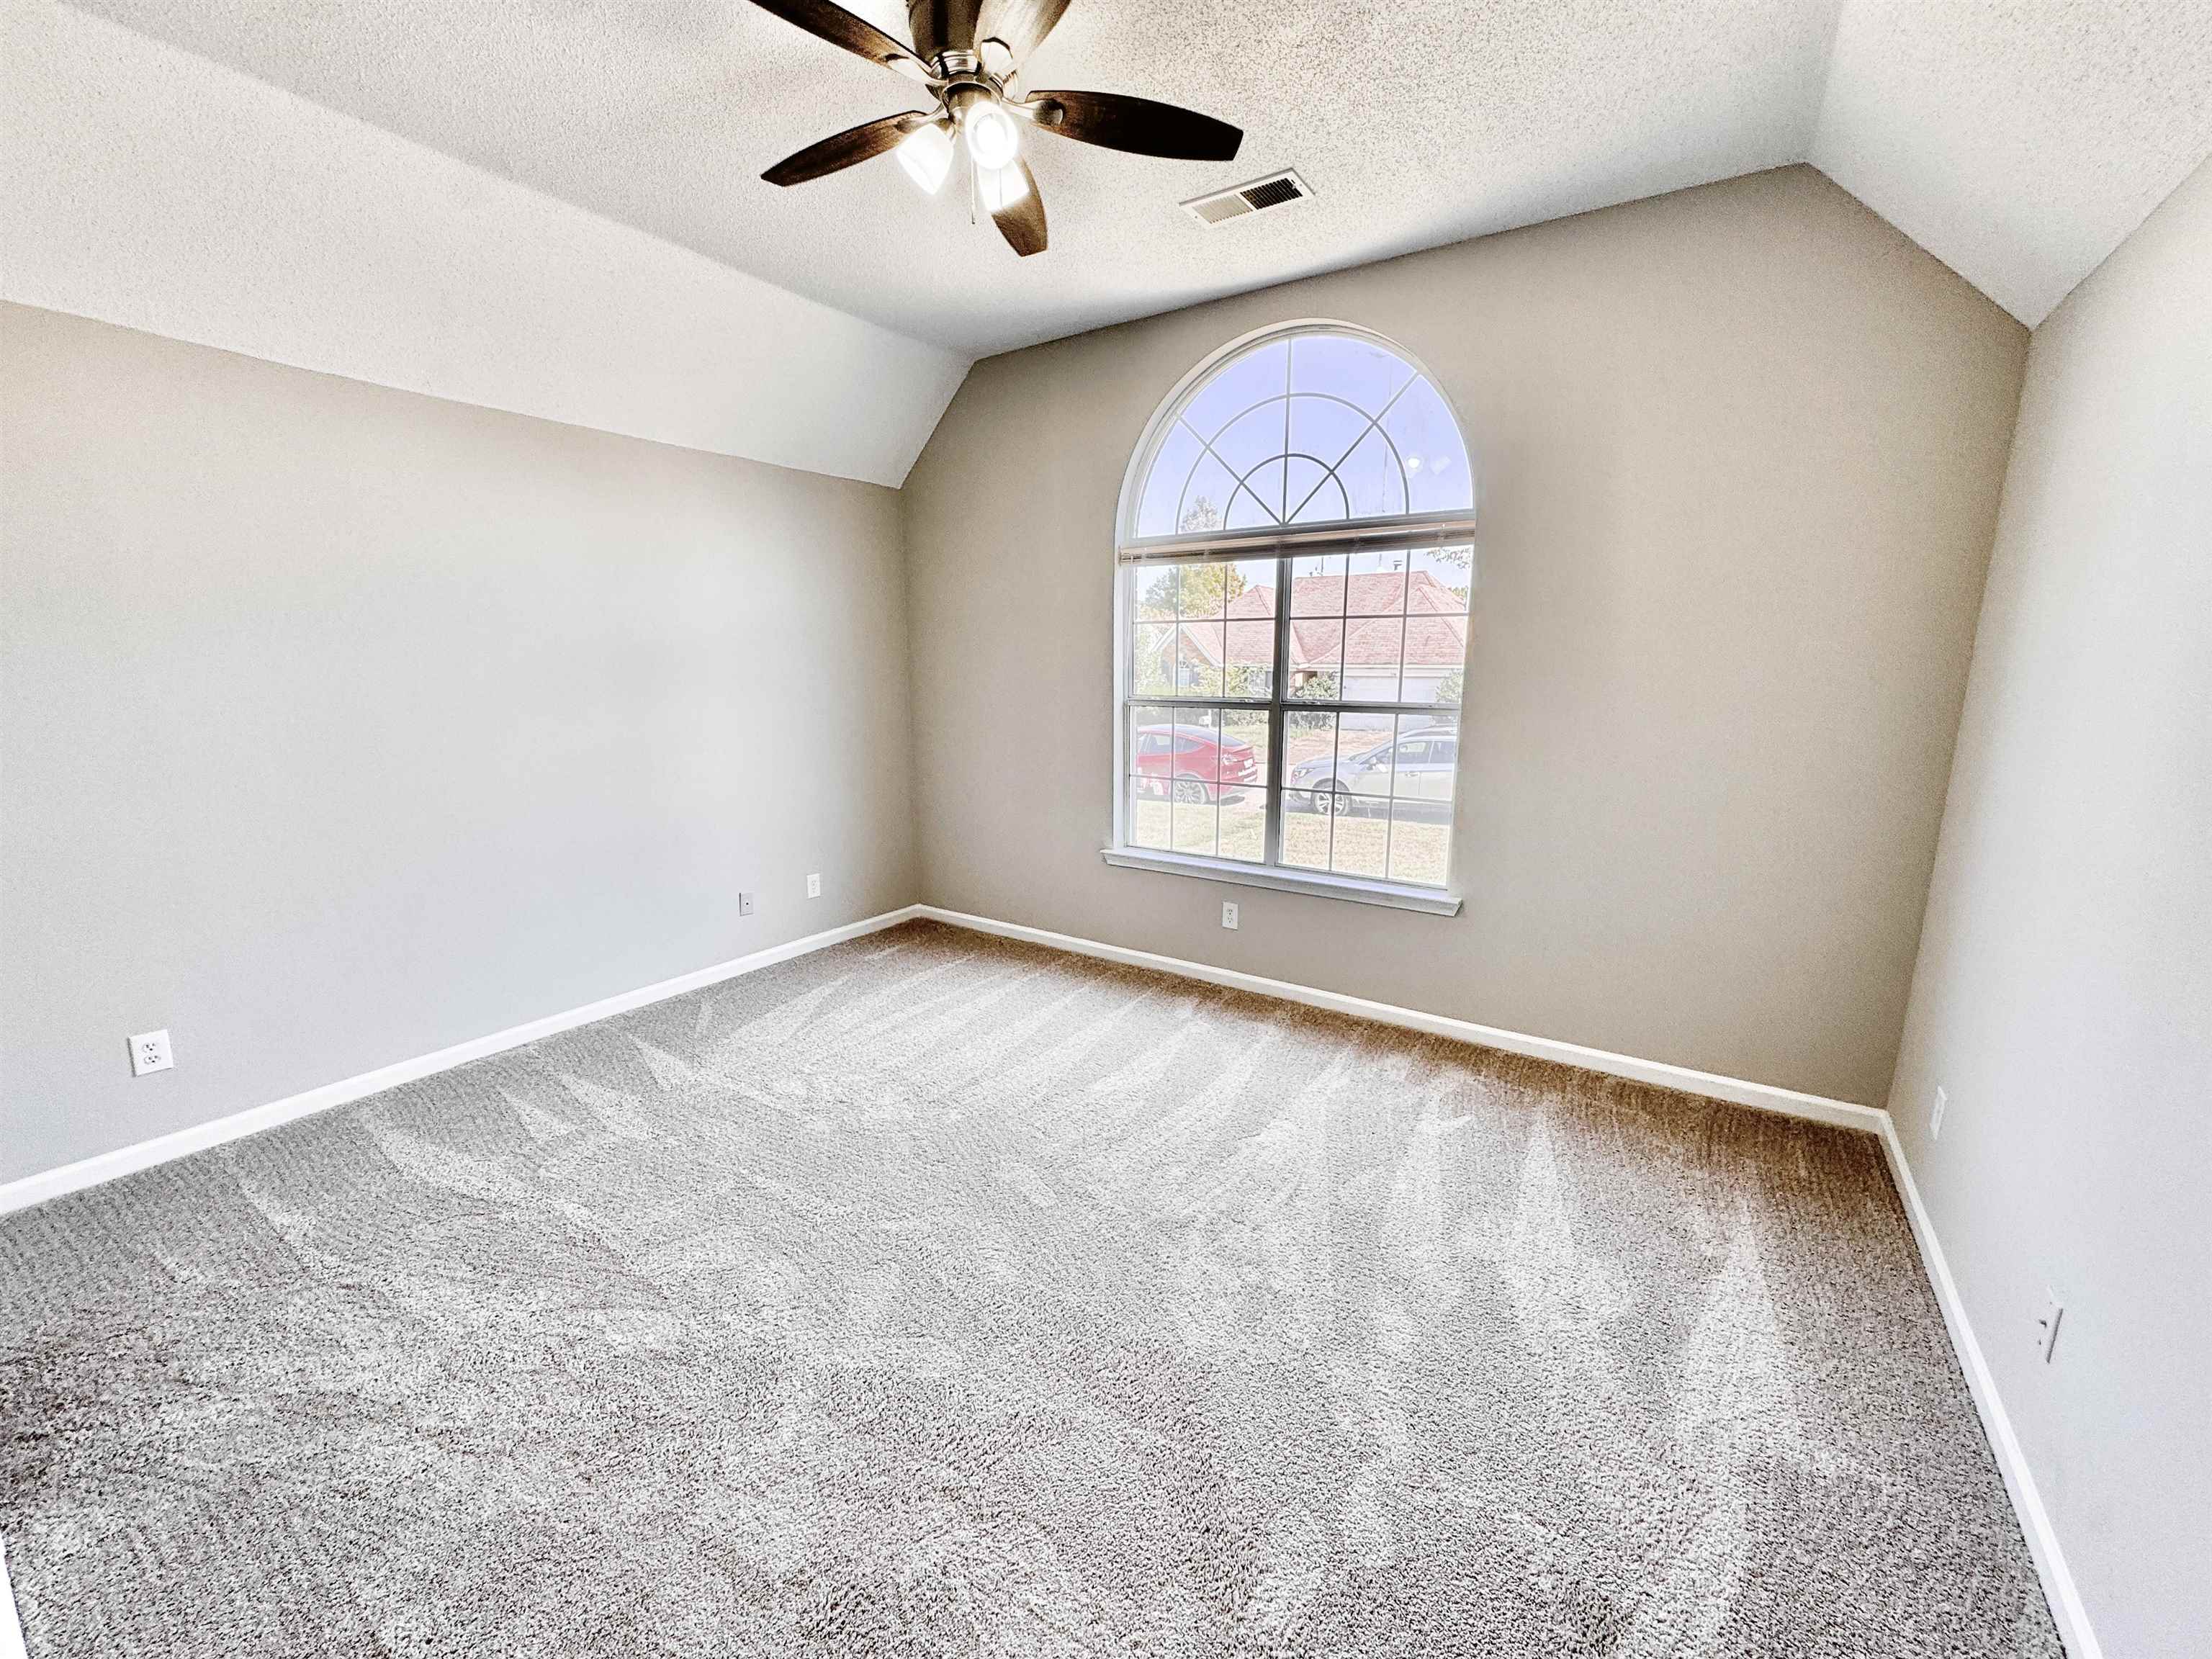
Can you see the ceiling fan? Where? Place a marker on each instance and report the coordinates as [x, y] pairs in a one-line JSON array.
[[948, 57]]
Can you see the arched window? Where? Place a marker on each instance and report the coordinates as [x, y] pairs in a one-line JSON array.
[[1296, 566]]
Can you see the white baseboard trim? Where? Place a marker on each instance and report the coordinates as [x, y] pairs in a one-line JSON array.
[[2059, 1588], [126, 1160], [11, 1632], [1763, 1096]]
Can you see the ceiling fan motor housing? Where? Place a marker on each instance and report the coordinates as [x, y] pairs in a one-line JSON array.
[[942, 26], [962, 95]]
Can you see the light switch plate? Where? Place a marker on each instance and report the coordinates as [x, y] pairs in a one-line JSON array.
[[1936, 1114], [2047, 1324], [149, 1052], [745, 905]]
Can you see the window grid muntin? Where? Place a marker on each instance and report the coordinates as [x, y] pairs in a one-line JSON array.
[[1403, 377], [1280, 705], [1332, 472], [1406, 532]]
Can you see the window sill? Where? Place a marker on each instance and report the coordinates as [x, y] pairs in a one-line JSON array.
[[1391, 895]]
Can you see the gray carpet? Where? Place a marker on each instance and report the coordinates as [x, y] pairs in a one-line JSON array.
[[933, 1296]]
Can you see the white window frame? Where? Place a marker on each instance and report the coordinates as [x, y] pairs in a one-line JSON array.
[[1283, 544]]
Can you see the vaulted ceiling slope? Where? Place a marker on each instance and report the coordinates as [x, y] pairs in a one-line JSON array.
[[143, 185], [556, 206], [2018, 140]]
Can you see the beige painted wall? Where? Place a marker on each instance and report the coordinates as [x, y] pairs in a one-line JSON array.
[[339, 724], [2063, 997], [1740, 451]]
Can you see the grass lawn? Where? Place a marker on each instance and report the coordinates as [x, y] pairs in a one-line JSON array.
[[1377, 847]]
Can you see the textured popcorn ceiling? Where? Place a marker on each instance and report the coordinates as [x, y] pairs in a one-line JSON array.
[[2019, 140], [1417, 122], [143, 185]]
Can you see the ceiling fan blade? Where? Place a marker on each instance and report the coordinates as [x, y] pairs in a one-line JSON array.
[[840, 27], [1020, 25], [1135, 124], [1022, 223], [844, 150]]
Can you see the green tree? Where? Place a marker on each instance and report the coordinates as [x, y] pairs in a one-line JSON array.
[[1156, 599], [1456, 558], [1210, 589], [1202, 591], [1201, 515]]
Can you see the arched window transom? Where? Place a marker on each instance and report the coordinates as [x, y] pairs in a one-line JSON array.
[[1298, 569], [1306, 427]]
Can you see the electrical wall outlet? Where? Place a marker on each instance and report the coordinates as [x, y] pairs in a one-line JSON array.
[[149, 1052], [1229, 915], [814, 887], [1936, 1114], [745, 905], [2046, 1325]]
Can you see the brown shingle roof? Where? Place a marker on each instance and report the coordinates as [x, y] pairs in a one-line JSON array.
[[1435, 634], [1372, 593]]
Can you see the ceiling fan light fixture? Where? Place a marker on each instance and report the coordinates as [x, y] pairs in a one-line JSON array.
[[926, 154], [1001, 187], [993, 138], [948, 56]]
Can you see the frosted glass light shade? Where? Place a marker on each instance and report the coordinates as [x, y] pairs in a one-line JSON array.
[[1002, 188], [993, 138], [926, 154]]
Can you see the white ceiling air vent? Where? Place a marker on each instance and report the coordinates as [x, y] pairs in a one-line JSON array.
[[1276, 189]]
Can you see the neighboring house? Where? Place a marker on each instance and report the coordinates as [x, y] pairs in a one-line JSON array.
[[1363, 649]]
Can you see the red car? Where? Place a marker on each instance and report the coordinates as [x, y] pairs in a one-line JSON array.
[[1195, 762]]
